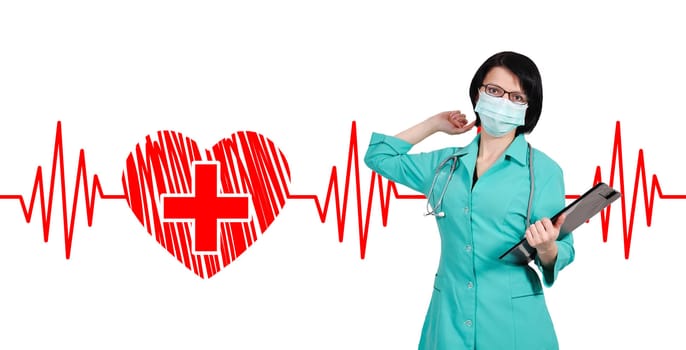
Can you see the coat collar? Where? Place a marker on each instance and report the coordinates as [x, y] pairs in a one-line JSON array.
[[518, 150]]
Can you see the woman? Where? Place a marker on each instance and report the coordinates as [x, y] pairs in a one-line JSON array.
[[479, 301]]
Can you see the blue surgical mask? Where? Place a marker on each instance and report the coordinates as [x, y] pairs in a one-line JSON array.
[[498, 115]]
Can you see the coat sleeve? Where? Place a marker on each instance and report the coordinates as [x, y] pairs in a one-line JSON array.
[[552, 200], [388, 156]]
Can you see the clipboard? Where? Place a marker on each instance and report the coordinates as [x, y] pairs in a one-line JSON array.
[[579, 211]]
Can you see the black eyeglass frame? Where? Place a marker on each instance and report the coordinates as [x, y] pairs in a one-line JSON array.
[[510, 94]]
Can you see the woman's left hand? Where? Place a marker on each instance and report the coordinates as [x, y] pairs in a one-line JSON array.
[[543, 233]]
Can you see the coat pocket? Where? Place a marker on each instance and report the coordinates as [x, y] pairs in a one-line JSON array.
[[525, 282], [533, 327]]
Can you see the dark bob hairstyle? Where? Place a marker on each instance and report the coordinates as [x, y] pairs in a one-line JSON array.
[[529, 78]]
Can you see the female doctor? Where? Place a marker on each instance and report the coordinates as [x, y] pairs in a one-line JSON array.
[[486, 197]]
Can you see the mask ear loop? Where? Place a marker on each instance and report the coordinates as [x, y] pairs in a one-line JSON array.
[[531, 182]]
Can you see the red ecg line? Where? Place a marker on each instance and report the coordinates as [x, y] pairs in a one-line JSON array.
[[648, 199], [391, 191], [341, 208], [46, 208], [386, 191]]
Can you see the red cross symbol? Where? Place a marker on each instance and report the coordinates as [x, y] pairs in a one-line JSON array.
[[206, 207]]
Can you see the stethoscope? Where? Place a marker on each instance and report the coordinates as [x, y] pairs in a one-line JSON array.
[[435, 209]]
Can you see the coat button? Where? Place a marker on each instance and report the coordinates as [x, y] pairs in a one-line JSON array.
[[468, 248], [470, 285], [468, 323], [466, 210]]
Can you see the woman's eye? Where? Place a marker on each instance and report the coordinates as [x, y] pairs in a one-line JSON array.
[[520, 98]]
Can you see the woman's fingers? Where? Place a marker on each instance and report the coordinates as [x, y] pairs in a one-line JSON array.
[[458, 118], [543, 232]]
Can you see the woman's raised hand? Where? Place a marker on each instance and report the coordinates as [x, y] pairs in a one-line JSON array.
[[452, 122]]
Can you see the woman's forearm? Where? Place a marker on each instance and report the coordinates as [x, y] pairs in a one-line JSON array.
[[419, 132]]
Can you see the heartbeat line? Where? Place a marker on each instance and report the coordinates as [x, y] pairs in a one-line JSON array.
[[38, 192], [390, 191], [387, 190], [639, 179], [341, 208]]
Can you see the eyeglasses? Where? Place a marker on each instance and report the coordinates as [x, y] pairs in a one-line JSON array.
[[496, 91]]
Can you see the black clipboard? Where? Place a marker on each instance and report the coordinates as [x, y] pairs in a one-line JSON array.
[[579, 211]]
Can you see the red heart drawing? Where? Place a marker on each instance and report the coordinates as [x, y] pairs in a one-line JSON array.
[[197, 204]]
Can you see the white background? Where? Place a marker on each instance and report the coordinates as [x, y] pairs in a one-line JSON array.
[[301, 72]]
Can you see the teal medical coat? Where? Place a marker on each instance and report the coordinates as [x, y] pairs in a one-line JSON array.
[[478, 301]]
